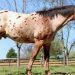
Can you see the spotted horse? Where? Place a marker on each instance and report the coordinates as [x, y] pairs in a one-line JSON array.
[[39, 28]]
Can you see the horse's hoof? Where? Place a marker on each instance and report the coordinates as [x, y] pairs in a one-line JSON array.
[[47, 73], [28, 72]]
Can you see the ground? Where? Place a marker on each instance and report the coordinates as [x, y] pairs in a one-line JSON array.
[[13, 70]]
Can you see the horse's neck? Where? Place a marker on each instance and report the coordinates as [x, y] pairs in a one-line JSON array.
[[58, 21]]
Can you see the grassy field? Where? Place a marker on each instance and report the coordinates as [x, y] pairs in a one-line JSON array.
[[13, 70]]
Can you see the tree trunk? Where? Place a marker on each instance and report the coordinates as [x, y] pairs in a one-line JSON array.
[[18, 54], [42, 59], [67, 60], [66, 56], [18, 58]]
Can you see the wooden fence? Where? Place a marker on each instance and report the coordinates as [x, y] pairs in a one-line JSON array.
[[38, 62]]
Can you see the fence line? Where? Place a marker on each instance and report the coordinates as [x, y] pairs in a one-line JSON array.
[[38, 62]]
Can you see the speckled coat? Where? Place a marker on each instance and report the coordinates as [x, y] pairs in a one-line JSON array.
[[24, 27]]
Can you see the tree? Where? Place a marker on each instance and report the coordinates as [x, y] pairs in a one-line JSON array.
[[11, 53], [56, 48], [72, 54], [26, 50], [18, 54]]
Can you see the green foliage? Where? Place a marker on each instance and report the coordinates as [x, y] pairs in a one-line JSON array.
[[72, 54], [56, 48], [11, 53]]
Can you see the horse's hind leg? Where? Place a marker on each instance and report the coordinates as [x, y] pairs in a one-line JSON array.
[[38, 45], [46, 58]]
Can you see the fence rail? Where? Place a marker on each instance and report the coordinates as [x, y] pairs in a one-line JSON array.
[[38, 62]]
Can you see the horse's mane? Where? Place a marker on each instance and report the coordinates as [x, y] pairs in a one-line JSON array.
[[70, 9]]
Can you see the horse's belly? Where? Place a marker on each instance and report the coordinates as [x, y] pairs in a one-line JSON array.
[[26, 36], [23, 35], [23, 40]]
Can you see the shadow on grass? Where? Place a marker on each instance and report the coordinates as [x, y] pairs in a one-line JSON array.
[[58, 73], [36, 73]]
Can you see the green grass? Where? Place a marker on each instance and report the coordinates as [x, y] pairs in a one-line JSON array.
[[13, 70], [67, 69]]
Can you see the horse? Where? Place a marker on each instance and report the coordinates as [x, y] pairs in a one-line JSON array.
[[39, 27]]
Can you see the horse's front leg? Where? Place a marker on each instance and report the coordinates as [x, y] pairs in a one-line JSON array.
[[38, 45], [46, 48]]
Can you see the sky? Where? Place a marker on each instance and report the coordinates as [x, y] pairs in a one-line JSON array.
[[31, 6]]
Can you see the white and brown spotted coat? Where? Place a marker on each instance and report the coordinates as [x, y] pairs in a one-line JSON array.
[[39, 27], [24, 27]]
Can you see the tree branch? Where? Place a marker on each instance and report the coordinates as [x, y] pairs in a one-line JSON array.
[[24, 6], [15, 6], [8, 4]]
